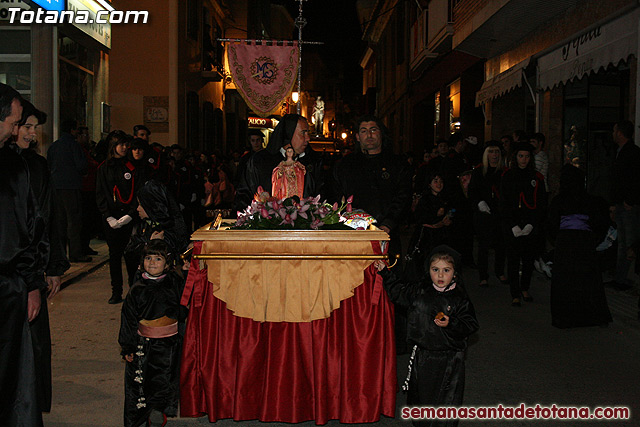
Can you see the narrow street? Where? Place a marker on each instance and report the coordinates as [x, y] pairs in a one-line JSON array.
[[516, 357], [133, 120]]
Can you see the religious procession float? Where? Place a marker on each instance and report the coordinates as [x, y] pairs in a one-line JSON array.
[[288, 319]]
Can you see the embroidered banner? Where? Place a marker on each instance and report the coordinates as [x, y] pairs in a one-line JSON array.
[[264, 75]]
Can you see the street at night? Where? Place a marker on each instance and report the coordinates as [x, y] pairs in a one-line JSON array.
[[516, 357], [391, 212]]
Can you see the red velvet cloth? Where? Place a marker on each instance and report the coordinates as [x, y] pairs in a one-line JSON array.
[[343, 367]]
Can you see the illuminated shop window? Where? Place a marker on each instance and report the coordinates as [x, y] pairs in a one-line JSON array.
[[15, 59], [436, 118], [454, 106]]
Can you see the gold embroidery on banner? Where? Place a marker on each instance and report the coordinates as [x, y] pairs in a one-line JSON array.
[[264, 104]]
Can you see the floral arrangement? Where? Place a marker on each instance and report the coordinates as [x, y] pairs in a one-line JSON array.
[[270, 213]]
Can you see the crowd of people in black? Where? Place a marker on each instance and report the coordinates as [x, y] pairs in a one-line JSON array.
[[132, 192], [499, 194]]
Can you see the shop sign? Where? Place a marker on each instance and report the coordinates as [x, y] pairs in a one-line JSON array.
[[590, 50], [6, 4], [50, 4], [156, 113], [259, 122], [572, 49], [99, 32]]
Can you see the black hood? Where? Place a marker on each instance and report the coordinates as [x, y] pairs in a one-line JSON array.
[[572, 180], [283, 133]]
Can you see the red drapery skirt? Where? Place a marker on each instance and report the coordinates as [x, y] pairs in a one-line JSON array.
[[342, 367]]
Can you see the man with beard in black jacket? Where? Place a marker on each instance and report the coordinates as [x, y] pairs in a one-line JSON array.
[[292, 130], [380, 182], [378, 179]]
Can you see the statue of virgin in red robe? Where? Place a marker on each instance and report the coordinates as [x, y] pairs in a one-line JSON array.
[[287, 179]]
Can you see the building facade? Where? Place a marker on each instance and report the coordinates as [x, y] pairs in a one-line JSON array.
[[168, 74], [61, 68], [171, 74], [567, 69], [413, 79]]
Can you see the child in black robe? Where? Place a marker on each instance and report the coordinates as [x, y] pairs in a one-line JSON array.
[[441, 317], [433, 215], [150, 339]]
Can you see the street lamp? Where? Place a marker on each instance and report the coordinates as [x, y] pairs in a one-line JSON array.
[[332, 128], [344, 135]]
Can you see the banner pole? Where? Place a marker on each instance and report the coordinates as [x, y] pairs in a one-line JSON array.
[[300, 23], [255, 41]]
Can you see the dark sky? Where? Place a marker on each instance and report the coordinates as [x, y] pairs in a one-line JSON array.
[[335, 23]]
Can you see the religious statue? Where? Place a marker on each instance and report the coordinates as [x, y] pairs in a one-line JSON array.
[[318, 115], [287, 179]]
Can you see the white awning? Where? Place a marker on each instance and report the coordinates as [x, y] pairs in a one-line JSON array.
[[589, 51], [502, 83]]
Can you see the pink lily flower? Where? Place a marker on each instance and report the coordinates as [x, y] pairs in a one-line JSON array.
[[287, 220], [316, 223]]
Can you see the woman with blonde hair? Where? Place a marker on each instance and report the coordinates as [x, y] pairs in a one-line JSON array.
[[485, 195]]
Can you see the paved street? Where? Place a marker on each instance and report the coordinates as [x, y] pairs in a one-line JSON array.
[[516, 357]]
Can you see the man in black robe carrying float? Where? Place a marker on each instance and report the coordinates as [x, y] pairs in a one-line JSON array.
[[378, 179], [380, 183], [24, 252]]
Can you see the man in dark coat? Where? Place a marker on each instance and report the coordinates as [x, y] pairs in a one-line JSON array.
[[68, 164], [293, 129], [626, 198], [142, 132], [24, 252], [256, 143], [40, 182], [380, 182], [378, 179]]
